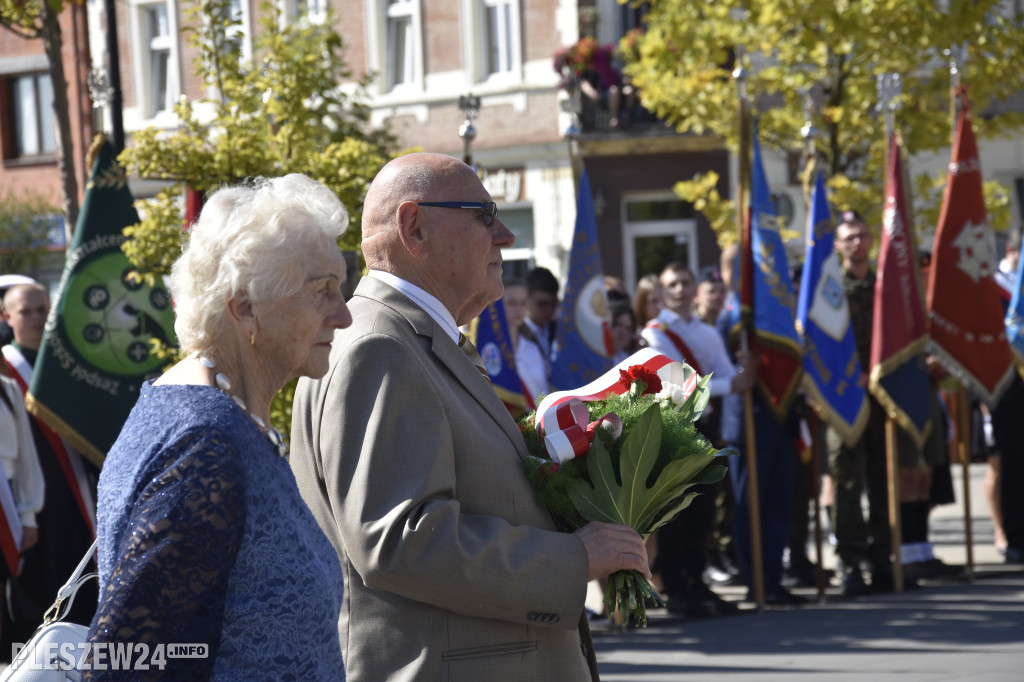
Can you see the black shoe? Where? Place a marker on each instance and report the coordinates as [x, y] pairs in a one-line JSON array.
[[719, 576], [801, 573], [853, 582], [1014, 555], [779, 597], [701, 602], [931, 569]]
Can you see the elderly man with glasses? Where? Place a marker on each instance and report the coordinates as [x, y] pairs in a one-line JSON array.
[[413, 466]]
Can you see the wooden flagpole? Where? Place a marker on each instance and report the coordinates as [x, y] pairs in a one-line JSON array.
[[814, 424], [963, 438], [957, 56], [808, 132], [889, 88], [742, 187]]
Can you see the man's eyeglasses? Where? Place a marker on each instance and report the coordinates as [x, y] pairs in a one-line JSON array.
[[489, 208]]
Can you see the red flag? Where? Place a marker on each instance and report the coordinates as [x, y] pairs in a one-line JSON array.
[[964, 306], [899, 377]]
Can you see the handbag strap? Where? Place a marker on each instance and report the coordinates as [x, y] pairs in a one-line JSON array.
[[68, 591]]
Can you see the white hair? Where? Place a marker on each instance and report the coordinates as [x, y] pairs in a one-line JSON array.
[[252, 239]]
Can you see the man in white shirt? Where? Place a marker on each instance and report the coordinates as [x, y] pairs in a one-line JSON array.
[[678, 333], [542, 311]]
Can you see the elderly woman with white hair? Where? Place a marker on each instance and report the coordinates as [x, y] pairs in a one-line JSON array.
[[203, 536]]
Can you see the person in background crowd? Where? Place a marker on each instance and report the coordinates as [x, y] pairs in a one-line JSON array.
[[863, 465], [648, 301], [529, 359], [6, 282], [710, 297], [413, 465], [203, 535], [1006, 278], [1009, 437], [677, 333], [67, 518], [26, 489], [615, 289], [624, 331], [542, 311]]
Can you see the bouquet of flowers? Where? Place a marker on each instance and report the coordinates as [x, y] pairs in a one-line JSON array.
[[623, 449]]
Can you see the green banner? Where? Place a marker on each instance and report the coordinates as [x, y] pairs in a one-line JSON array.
[[96, 349]]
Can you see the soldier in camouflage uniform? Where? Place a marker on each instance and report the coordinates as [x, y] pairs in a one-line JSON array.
[[863, 465]]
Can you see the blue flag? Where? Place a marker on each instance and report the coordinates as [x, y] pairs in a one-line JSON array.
[[584, 338], [1015, 317], [832, 371], [771, 297], [494, 344]]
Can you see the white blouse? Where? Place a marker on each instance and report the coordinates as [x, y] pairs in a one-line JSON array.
[[18, 454]]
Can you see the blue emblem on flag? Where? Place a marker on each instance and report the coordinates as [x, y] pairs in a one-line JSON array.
[[584, 330]]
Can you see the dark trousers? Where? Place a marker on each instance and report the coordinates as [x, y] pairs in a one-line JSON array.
[[776, 474], [853, 468], [682, 548], [1009, 437]]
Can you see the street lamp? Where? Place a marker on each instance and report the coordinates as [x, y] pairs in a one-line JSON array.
[[469, 105]]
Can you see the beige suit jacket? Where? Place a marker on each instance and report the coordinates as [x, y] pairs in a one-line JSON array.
[[412, 466]]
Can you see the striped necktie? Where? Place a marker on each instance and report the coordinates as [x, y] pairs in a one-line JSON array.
[[470, 350]]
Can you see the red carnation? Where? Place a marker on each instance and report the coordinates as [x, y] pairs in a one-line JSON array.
[[640, 374]]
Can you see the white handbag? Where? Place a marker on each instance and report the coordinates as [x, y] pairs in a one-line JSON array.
[[56, 648]]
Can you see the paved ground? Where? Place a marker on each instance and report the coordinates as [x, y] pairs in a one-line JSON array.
[[964, 629]]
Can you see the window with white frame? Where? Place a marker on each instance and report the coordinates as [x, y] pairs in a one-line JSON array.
[[497, 16], [158, 45], [492, 39], [310, 10], [31, 98], [401, 43]]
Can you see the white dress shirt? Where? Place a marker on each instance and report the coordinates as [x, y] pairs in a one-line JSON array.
[[704, 342], [428, 302]]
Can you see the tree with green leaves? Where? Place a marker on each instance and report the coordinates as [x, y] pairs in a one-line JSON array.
[[40, 20], [24, 230], [282, 111], [831, 52]]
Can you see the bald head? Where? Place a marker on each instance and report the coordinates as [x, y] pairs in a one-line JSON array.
[[452, 252], [412, 177], [25, 308]]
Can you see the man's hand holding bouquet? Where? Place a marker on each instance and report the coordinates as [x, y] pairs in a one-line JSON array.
[[623, 449]]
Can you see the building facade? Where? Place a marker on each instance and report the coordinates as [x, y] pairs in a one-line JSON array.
[[28, 141], [535, 127]]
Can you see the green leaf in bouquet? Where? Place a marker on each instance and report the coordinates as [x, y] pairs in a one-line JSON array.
[[711, 474], [676, 478], [632, 501], [606, 499]]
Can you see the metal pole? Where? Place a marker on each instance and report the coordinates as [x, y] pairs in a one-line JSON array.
[[470, 107], [116, 101]]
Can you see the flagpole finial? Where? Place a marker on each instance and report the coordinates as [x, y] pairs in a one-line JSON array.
[[890, 88], [100, 93], [957, 55]]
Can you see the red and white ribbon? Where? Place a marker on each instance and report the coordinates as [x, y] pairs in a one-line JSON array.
[[569, 435], [563, 417]]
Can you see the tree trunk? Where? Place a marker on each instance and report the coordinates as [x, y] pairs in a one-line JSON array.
[[53, 44]]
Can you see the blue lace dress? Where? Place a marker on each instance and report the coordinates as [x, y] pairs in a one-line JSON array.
[[204, 539]]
